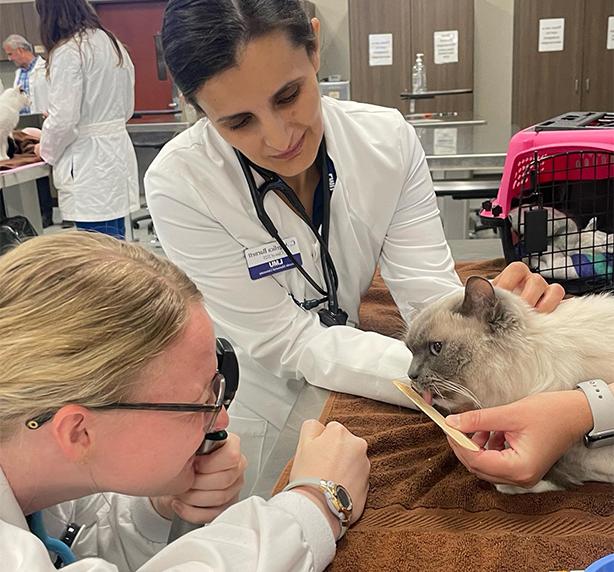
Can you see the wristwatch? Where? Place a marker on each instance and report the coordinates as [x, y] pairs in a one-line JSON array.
[[601, 402], [337, 497]]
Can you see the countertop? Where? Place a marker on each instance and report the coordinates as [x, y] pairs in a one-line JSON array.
[[448, 146], [459, 148]]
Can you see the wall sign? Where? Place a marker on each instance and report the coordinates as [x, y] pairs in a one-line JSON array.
[[380, 49], [445, 141], [551, 35], [446, 47]]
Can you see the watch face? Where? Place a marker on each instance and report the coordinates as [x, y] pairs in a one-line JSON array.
[[343, 497], [603, 439]]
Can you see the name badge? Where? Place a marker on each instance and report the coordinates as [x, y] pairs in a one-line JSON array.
[[270, 258]]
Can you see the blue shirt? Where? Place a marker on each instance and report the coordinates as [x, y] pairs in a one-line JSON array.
[[23, 81]]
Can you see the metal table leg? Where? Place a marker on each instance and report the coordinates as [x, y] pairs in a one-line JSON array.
[[22, 199]]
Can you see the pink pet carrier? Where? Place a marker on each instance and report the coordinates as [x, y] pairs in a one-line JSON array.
[[555, 206]]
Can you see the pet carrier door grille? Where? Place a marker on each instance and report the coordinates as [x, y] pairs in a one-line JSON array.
[[562, 223]]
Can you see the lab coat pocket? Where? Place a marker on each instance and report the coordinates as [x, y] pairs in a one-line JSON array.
[[252, 430], [63, 171]]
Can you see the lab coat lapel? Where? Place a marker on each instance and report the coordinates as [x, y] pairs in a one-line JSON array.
[[10, 511]]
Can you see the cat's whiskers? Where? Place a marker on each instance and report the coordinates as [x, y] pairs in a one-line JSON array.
[[453, 387], [437, 391]]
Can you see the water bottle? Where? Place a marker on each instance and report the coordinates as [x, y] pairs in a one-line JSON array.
[[418, 75]]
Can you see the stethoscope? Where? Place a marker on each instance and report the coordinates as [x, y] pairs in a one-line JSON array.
[[61, 547], [333, 315]]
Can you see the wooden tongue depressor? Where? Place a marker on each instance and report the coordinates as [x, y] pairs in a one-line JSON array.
[[437, 417]]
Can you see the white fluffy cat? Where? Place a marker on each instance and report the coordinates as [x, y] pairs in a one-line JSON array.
[[487, 348], [12, 100]]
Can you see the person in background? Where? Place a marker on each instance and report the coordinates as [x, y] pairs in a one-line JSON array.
[[31, 78], [30, 75], [89, 324], [91, 97]]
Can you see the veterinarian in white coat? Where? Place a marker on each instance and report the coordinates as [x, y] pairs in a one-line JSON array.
[[91, 98], [74, 355], [30, 74], [38, 88], [382, 212]]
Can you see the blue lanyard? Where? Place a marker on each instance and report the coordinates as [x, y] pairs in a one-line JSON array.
[[64, 553], [318, 198]]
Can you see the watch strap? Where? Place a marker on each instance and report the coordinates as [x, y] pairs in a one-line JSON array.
[[601, 402], [320, 484]]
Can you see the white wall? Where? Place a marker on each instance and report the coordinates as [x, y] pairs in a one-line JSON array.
[[335, 37], [494, 22]]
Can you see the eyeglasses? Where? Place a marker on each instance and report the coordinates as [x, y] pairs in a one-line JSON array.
[[218, 387]]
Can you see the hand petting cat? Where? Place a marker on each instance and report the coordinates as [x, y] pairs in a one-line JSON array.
[[533, 288], [539, 429]]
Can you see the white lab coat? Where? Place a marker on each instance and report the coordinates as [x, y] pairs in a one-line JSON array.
[[124, 534], [85, 136], [39, 87], [383, 211]]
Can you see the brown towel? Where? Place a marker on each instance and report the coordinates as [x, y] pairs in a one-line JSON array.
[[24, 152], [426, 512], [378, 312]]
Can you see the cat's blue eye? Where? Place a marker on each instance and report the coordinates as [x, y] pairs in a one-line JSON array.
[[435, 348]]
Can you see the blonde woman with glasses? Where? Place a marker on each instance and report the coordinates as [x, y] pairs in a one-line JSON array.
[[108, 385]]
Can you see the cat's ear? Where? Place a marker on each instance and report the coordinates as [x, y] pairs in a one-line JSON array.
[[481, 302], [480, 299]]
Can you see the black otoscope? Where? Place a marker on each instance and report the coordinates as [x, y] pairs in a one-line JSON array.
[[228, 366]]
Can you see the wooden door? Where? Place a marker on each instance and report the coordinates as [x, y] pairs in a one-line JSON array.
[[428, 17], [546, 84], [381, 85], [598, 62], [136, 24]]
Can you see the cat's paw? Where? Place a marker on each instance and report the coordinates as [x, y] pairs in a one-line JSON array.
[[541, 487]]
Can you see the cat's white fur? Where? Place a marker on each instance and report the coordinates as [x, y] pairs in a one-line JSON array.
[[554, 352], [12, 100], [533, 353]]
